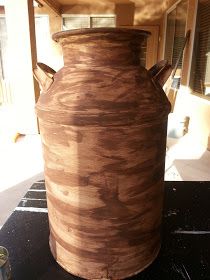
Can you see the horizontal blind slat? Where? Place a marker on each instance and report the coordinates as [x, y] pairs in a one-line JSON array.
[[200, 74]]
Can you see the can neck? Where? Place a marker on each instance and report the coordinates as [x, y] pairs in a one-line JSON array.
[[98, 50]]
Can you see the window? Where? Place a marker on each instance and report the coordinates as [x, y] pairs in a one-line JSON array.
[[43, 38], [3, 47], [5, 91], [175, 36], [80, 21], [200, 70]]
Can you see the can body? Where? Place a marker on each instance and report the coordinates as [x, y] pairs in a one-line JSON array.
[[103, 129], [5, 270]]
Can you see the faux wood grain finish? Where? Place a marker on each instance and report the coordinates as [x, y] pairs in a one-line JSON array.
[[103, 125]]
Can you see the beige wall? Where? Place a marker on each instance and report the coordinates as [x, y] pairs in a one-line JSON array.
[[127, 14], [21, 60], [55, 23], [150, 13], [197, 108], [100, 8]]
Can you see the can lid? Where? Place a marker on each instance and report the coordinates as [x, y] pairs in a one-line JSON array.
[[106, 30]]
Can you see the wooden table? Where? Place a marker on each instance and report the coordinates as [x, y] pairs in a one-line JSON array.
[[185, 252]]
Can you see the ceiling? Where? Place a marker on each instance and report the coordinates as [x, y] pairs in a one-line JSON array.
[[136, 2], [69, 2], [145, 10]]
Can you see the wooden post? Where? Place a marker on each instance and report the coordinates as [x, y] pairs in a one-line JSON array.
[[208, 145], [22, 59]]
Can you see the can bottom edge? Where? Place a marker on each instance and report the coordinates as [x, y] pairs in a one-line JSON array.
[[104, 278]]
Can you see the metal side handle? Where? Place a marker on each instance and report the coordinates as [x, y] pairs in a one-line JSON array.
[[44, 75]]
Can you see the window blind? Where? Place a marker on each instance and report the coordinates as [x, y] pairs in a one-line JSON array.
[[102, 22], [74, 22], [3, 48], [170, 30], [179, 35], [175, 33], [200, 74]]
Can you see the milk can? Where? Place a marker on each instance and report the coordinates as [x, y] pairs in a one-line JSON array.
[[103, 122]]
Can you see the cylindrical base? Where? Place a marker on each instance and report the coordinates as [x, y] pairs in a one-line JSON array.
[[105, 201], [78, 271]]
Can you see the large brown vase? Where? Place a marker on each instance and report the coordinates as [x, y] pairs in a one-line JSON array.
[[103, 121]]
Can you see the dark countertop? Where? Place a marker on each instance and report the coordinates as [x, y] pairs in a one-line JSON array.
[[185, 252]]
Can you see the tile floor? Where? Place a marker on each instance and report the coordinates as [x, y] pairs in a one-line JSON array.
[[21, 164], [186, 161]]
